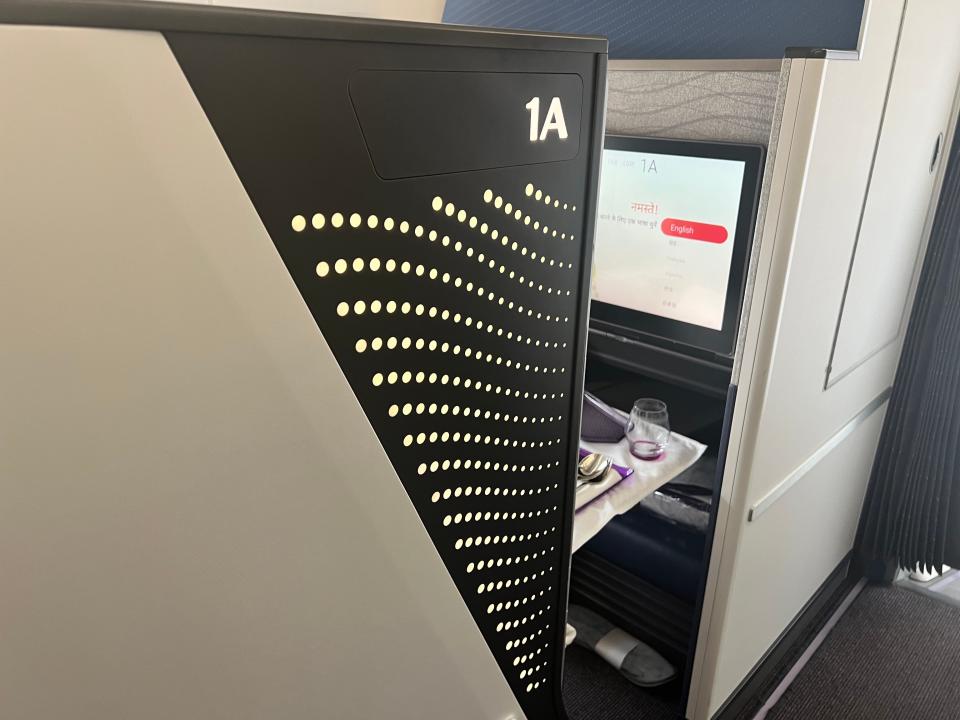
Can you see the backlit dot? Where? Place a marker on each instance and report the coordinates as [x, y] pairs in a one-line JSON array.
[[340, 266], [342, 309], [487, 195], [388, 224], [357, 264], [337, 220], [359, 307], [355, 220], [372, 221], [318, 221], [378, 379], [437, 203], [298, 223], [374, 264], [323, 269], [529, 189], [361, 345], [462, 215]]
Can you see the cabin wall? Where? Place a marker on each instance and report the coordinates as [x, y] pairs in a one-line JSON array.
[[800, 461]]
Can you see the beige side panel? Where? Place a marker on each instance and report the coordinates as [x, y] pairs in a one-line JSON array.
[[196, 520], [770, 567], [892, 229]]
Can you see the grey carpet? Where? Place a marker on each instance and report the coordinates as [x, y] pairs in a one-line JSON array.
[[894, 655], [592, 690]]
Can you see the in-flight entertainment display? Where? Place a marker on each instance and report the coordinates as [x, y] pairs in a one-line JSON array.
[[673, 225]]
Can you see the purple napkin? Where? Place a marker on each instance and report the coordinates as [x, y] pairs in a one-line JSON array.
[[624, 472], [599, 422]]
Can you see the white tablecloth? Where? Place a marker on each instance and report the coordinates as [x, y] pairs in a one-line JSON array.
[[648, 476]]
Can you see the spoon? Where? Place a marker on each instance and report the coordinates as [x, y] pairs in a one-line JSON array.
[[593, 467]]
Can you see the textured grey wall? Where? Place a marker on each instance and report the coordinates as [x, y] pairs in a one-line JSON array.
[[692, 105]]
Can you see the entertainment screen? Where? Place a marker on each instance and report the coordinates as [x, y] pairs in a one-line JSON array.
[[674, 220]]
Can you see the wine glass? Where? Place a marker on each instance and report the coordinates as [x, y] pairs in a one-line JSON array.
[[648, 431]]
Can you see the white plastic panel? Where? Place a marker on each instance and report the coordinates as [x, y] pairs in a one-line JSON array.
[[894, 217], [197, 521], [787, 416]]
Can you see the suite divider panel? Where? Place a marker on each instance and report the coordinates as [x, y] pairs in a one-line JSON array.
[[430, 192], [738, 101]]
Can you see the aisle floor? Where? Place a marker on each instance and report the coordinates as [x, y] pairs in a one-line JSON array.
[[894, 654]]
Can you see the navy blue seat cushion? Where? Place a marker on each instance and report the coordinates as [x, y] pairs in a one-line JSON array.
[[654, 549]]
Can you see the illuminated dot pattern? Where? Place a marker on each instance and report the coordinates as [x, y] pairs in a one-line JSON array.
[[446, 436], [488, 263], [518, 247], [434, 408], [529, 221], [433, 312], [540, 195], [462, 346], [407, 377], [422, 344], [433, 274]]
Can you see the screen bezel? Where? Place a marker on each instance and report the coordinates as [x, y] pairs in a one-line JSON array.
[[644, 326]]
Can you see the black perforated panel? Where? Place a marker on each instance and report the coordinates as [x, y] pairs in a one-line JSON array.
[[454, 302]]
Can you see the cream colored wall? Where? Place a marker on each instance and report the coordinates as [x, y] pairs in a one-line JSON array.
[[413, 10], [890, 234], [184, 530], [764, 571]]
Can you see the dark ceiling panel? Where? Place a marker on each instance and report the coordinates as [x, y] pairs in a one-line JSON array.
[[676, 29]]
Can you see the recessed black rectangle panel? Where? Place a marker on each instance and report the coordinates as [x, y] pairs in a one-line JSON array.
[[425, 123]]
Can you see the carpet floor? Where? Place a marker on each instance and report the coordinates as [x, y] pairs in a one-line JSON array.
[[894, 655], [592, 690]]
